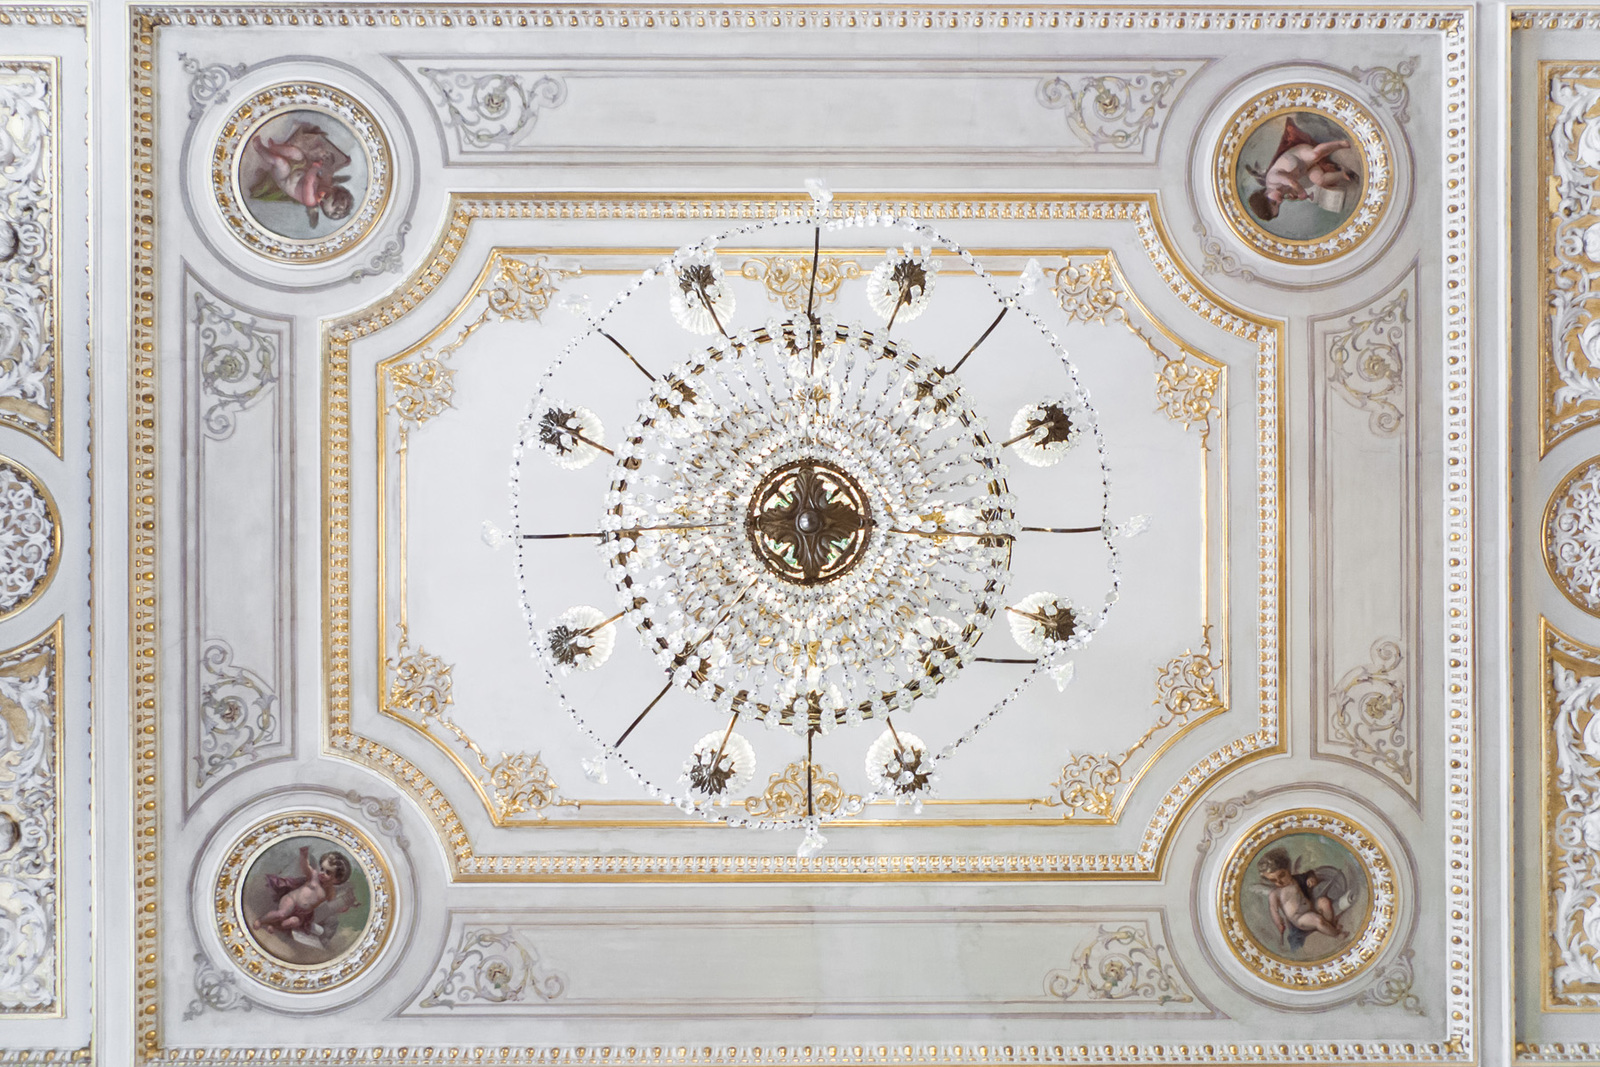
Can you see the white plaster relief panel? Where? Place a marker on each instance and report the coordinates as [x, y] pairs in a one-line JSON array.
[[45, 780]]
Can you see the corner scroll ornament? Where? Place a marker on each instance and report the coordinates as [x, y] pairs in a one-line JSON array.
[[1366, 362], [492, 112], [1367, 714], [493, 966], [30, 391], [1392, 988], [788, 278], [1113, 112], [214, 990], [208, 84], [1090, 786], [238, 713], [1222, 814], [238, 363], [1570, 249], [1571, 758], [1120, 962], [1386, 86], [1094, 291], [421, 692], [514, 289], [30, 783], [803, 787]]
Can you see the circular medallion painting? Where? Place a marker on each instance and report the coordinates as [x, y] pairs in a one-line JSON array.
[[1308, 899], [304, 902], [30, 547], [1303, 173], [301, 172]]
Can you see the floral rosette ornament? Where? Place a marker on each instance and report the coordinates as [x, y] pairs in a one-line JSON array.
[[805, 523]]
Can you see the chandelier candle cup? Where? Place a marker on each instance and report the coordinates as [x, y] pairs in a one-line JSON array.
[[806, 523]]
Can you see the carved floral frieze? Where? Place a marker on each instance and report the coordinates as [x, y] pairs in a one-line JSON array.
[[30, 805], [30, 391], [1571, 746]]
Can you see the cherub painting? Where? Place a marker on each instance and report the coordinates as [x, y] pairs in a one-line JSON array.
[[305, 907], [1299, 176], [296, 176], [1310, 899]]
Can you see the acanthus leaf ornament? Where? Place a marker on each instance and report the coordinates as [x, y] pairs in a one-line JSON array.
[[30, 388], [493, 966], [1120, 962], [1367, 713], [30, 805], [1571, 767], [1367, 362], [1114, 112]]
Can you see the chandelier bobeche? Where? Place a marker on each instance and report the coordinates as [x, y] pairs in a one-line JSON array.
[[807, 525]]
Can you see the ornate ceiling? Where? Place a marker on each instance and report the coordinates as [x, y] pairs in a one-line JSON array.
[[801, 535]]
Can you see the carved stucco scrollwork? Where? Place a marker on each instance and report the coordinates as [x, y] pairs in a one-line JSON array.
[[1570, 239], [421, 691], [1572, 536], [30, 773], [491, 111], [30, 397], [30, 538], [238, 363], [382, 812], [1090, 786], [1187, 385], [514, 289], [789, 794], [1113, 111], [238, 713], [1366, 714], [208, 84], [493, 966], [387, 259], [1367, 362], [1572, 815], [214, 990], [1120, 962], [788, 278], [1386, 86], [1392, 987]]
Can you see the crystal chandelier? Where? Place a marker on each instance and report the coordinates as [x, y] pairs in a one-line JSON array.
[[806, 525]]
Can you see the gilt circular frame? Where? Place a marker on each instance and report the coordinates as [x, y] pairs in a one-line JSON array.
[[262, 226], [44, 570], [251, 951], [1565, 556], [1367, 140], [1359, 948]]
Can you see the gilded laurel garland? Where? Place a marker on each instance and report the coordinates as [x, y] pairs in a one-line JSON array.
[[1366, 714], [1366, 363], [789, 790], [491, 112], [30, 537], [30, 804], [493, 966], [238, 713], [1570, 328], [1572, 814], [1120, 962], [1572, 536], [788, 278], [238, 363], [30, 398], [1113, 112]]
